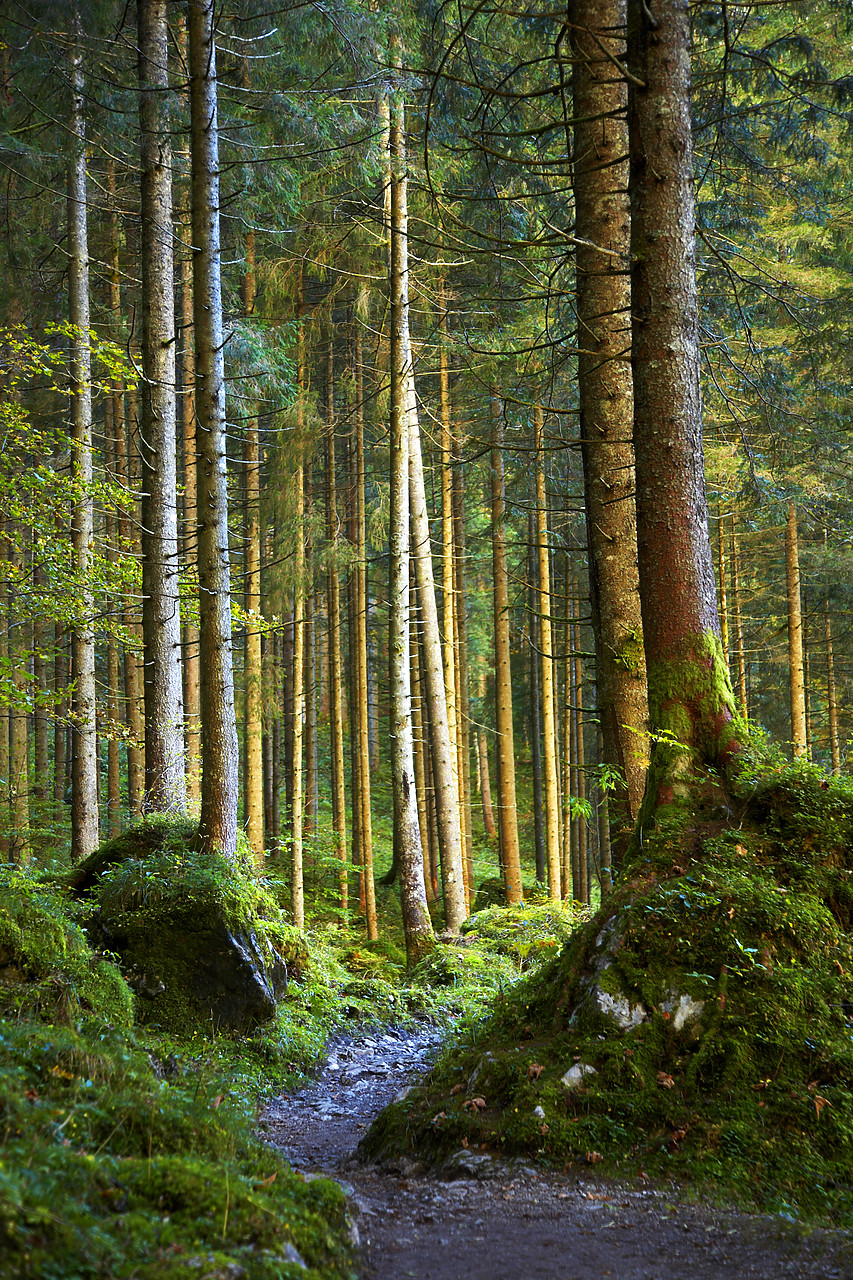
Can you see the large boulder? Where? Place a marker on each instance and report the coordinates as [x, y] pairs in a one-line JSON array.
[[200, 941]]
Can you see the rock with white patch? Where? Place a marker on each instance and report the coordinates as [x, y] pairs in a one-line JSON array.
[[574, 1077]]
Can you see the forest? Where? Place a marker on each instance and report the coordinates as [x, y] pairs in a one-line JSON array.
[[425, 630]]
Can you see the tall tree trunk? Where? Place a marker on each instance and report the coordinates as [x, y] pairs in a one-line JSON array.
[[361, 712], [602, 224], [580, 759], [84, 784], [297, 896], [113, 814], [253, 726], [507, 817], [310, 627], [831, 693], [463, 722], [690, 693], [443, 755], [483, 768], [165, 789], [416, 920], [535, 701], [799, 734], [219, 779], [722, 588], [546, 661], [336, 704]]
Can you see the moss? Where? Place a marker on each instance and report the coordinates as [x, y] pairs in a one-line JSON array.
[[734, 943]]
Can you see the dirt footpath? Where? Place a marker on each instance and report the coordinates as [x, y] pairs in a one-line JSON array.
[[486, 1220]]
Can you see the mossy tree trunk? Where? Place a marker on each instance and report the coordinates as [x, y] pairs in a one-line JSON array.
[[690, 696]]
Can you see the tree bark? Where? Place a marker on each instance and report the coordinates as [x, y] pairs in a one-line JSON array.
[[463, 736], [253, 727], [507, 816], [602, 224], [799, 734], [690, 696], [535, 703], [219, 779], [738, 621], [361, 713], [416, 920], [546, 662], [84, 778], [165, 788]]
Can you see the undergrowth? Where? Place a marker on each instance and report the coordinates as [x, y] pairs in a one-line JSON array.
[[128, 1147], [699, 1027]]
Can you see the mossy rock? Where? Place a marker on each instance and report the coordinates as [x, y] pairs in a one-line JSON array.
[[699, 1026], [201, 941], [48, 968]]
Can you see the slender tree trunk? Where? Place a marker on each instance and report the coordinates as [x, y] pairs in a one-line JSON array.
[[113, 815], [41, 758], [831, 693], [253, 727], [604, 851], [463, 734], [535, 702], [84, 785], [5, 763], [722, 588], [219, 780], [799, 734], [546, 660], [416, 920], [580, 759], [165, 789], [602, 224], [298, 896], [361, 713], [507, 816], [483, 769], [19, 776], [443, 755], [738, 621], [310, 627], [336, 708], [690, 692]]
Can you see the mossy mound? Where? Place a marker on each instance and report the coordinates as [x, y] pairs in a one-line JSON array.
[[699, 1026], [47, 967], [201, 941], [492, 893], [116, 1163]]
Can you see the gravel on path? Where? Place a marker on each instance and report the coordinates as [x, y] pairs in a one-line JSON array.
[[513, 1221]]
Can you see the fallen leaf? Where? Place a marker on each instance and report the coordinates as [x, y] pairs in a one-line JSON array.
[[593, 1157], [218, 1101], [474, 1104], [666, 1080], [31, 1095], [535, 1070], [820, 1103], [457, 1088], [543, 1129], [465, 1142], [442, 1115]]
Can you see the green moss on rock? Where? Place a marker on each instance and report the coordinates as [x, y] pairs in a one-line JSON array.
[[712, 998]]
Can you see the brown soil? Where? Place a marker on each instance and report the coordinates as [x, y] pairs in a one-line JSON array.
[[514, 1222]]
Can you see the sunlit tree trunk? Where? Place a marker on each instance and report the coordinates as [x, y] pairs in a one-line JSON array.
[[253, 726], [689, 689], [19, 776], [361, 714], [84, 784], [310, 626], [165, 789], [507, 816], [535, 701], [113, 814], [799, 735], [416, 920], [581, 830], [831, 693], [722, 589], [738, 621], [298, 896], [219, 779], [483, 768], [546, 664], [463, 721]]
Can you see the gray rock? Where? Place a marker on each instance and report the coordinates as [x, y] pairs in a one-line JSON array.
[[472, 1164], [292, 1255], [683, 1009], [574, 1077]]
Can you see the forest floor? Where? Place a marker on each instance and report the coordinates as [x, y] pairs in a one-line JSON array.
[[486, 1219]]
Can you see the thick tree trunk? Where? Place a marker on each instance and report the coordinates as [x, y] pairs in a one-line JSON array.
[[219, 780], [602, 224], [690, 696], [165, 789], [416, 920], [507, 816], [799, 735], [84, 781]]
